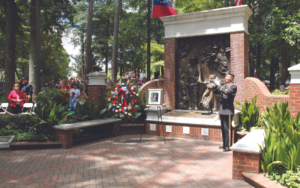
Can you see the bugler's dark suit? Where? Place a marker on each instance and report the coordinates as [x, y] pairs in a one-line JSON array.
[[226, 111]]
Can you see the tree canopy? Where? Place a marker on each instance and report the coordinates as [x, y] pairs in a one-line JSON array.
[[274, 35]]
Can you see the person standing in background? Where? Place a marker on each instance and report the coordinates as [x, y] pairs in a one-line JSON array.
[[129, 73], [27, 90], [16, 99], [142, 75]]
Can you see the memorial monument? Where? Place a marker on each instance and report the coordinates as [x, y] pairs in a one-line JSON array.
[[200, 48]]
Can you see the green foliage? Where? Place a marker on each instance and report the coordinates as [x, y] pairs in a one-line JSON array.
[[250, 113], [48, 115], [278, 92], [281, 149], [84, 112], [24, 128], [289, 178], [54, 95], [183, 6]]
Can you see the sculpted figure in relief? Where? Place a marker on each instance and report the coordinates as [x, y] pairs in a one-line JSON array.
[[193, 72]]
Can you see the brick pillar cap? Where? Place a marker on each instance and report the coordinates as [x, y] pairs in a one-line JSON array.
[[295, 74], [96, 78]]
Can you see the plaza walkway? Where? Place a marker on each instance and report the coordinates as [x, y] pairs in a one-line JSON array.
[[122, 163]]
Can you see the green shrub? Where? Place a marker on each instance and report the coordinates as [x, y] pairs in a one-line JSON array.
[[48, 115], [54, 96], [281, 150], [289, 178], [278, 92], [250, 113], [24, 128], [84, 112]]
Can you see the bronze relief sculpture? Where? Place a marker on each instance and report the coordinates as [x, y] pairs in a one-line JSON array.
[[201, 58]]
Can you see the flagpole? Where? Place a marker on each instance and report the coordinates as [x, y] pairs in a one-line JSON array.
[[148, 40]]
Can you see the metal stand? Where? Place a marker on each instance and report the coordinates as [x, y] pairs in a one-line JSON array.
[[112, 134], [145, 122], [160, 116]]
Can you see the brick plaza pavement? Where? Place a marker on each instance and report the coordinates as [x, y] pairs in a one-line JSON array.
[[122, 163]]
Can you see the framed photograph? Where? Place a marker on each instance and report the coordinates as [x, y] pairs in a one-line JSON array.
[[155, 97]]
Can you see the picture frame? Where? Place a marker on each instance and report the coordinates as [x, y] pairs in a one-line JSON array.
[[155, 97]]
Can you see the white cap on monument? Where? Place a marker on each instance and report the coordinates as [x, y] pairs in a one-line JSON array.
[[96, 78]]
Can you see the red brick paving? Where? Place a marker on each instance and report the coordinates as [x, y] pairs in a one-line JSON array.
[[122, 163]]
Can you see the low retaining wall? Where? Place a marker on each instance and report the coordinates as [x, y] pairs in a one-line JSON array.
[[177, 131], [247, 155], [255, 87]]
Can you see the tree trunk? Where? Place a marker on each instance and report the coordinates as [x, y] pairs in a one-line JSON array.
[[10, 46], [272, 73], [251, 61], [115, 44], [88, 54], [106, 59], [121, 64], [32, 47], [148, 41], [258, 60], [34, 51], [174, 3], [38, 51], [296, 60], [82, 56], [284, 62]]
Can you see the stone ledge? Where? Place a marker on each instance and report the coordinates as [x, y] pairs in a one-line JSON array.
[[260, 181], [249, 144], [84, 124], [132, 125]]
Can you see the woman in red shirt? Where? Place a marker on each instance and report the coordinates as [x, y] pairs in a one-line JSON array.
[[16, 98], [133, 75]]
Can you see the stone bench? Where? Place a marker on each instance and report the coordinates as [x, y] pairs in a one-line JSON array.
[[64, 132], [246, 154]]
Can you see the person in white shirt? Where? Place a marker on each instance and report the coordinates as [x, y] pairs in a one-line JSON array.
[[76, 91], [129, 73], [142, 75]]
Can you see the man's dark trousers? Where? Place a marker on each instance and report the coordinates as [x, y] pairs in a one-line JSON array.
[[225, 129]]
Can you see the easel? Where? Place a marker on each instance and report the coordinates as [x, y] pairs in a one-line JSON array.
[[159, 117]]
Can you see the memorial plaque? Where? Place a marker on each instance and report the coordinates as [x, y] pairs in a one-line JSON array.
[[186, 130], [204, 131], [152, 127], [168, 128]]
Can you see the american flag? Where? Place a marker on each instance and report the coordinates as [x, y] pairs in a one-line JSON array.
[[238, 2]]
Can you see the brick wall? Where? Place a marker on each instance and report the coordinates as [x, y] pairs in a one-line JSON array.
[[170, 72], [254, 87], [97, 93], [65, 138], [239, 62], [245, 162], [129, 129], [177, 131], [294, 99]]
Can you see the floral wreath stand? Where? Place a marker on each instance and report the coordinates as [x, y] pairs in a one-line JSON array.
[[120, 103]]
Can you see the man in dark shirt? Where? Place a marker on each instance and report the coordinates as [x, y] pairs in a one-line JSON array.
[[227, 94], [27, 89]]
